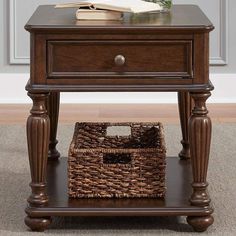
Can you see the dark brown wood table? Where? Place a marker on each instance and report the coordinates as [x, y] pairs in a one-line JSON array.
[[164, 52]]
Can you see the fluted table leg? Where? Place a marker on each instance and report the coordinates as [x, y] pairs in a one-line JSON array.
[[200, 139], [38, 128]]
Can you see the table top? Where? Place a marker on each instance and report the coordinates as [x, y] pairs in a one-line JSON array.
[[181, 17]]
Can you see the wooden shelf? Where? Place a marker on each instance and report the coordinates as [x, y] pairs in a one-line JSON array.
[[175, 203]]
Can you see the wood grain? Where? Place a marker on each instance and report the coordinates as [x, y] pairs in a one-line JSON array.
[[95, 58], [50, 19]]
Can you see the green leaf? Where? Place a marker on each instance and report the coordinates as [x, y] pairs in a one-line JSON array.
[[164, 3]]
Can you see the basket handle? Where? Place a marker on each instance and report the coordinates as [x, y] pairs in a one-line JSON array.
[[117, 158], [118, 130]]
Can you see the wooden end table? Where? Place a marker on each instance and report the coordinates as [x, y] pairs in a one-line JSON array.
[[166, 52]]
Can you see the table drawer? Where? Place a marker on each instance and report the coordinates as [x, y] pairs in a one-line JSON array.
[[121, 58]]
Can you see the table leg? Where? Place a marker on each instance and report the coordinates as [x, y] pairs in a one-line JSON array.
[[53, 104], [38, 128], [200, 139], [185, 107]]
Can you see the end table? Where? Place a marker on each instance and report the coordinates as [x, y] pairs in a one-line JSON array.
[[149, 52]]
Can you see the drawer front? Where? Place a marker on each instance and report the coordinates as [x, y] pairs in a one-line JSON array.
[[172, 58]]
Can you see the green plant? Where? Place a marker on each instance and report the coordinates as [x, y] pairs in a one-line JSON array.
[[165, 3]]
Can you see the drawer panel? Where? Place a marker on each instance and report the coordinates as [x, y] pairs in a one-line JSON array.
[[119, 58]]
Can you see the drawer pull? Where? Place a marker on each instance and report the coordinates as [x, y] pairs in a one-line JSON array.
[[119, 60]]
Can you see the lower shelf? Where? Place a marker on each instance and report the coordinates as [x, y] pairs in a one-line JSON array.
[[175, 203]]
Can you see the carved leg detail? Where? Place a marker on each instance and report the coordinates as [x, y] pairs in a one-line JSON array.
[[38, 128], [185, 108], [200, 139], [200, 223], [53, 104], [38, 224]]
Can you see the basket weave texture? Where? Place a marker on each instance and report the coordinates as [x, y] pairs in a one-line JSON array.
[[102, 165]]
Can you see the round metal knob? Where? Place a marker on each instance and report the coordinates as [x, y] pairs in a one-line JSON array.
[[119, 60]]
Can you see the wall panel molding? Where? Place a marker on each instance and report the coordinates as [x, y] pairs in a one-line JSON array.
[[16, 58], [224, 34]]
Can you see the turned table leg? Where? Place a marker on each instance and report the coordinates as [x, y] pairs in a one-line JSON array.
[[185, 108], [200, 139], [38, 128], [53, 103]]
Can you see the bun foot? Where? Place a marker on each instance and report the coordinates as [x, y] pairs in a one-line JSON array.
[[38, 224], [200, 223]]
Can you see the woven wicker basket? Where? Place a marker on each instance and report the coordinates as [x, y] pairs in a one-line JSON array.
[[105, 161]]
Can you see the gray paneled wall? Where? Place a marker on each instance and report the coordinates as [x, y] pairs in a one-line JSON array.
[[217, 11], [19, 13], [20, 10]]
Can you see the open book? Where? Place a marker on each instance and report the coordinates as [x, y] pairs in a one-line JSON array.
[[134, 6], [90, 14]]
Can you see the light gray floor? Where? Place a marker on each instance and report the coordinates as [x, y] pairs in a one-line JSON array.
[[14, 179]]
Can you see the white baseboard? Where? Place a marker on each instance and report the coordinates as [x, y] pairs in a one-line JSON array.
[[12, 91]]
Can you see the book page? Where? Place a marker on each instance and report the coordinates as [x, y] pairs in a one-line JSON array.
[[135, 6], [87, 14]]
